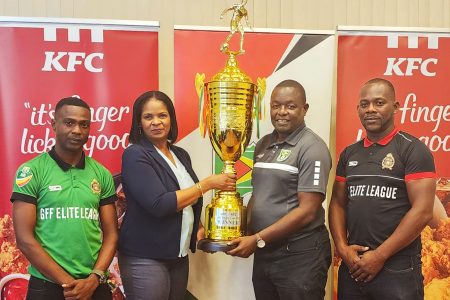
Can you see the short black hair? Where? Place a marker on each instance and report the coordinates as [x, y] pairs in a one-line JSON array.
[[136, 133], [293, 84], [75, 101], [383, 81]]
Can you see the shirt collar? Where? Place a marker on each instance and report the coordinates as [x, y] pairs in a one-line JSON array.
[[384, 141], [149, 145], [62, 164], [292, 139]]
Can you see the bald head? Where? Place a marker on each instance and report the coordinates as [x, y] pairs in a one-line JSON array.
[[294, 85], [390, 90]]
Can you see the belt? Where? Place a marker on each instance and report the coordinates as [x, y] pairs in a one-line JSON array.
[[285, 242]]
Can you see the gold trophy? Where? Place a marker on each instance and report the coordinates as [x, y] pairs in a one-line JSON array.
[[228, 103]]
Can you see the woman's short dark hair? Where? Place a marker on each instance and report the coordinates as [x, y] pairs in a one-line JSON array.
[[136, 133]]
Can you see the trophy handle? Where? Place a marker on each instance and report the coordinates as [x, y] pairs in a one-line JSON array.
[[261, 82], [260, 108], [202, 110]]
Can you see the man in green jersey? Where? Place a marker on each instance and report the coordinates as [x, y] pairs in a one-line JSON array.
[[64, 214]]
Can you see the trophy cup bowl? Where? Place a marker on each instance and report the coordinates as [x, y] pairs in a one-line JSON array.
[[229, 103]]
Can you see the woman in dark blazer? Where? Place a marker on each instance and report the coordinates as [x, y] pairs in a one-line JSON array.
[[164, 198]]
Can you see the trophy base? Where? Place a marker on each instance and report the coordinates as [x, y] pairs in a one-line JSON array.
[[209, 245]]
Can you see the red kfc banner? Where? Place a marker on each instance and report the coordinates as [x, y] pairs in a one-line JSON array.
[[106, 63], [418, 65]]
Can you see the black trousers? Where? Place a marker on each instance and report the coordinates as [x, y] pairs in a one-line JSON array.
[[293, 270], [39, 289]]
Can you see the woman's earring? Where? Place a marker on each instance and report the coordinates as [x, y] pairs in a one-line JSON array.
[[140, 130]]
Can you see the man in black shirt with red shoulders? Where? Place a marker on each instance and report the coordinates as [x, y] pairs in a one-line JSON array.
[[382, 199]]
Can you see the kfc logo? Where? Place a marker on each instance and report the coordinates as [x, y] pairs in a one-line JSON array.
[[71, 61], [53, 61], [407, 66]]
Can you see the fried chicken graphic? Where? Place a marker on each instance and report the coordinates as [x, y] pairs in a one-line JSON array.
[[11, 259], [436, 261]]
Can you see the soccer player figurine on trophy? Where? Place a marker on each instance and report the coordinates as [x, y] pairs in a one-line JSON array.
[[228, 103], [239, 12]]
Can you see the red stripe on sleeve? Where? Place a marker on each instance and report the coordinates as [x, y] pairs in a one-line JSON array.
[[340, 179], [420, 175]]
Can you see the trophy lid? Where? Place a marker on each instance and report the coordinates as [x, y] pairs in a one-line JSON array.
[[232, 72]]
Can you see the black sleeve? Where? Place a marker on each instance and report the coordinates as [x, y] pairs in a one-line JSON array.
[[23, 197]]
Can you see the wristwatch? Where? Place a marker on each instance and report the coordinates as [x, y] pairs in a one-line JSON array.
[[260, 243], [102, 277]]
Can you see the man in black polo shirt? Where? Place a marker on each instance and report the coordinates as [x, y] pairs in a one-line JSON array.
[[64, 214], [290, 176], [382, 199]]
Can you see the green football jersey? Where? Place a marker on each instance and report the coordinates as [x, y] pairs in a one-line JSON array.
[[67, 201]]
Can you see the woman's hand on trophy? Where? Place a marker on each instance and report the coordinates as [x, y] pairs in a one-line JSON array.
[[224, 182], [246, 246]]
